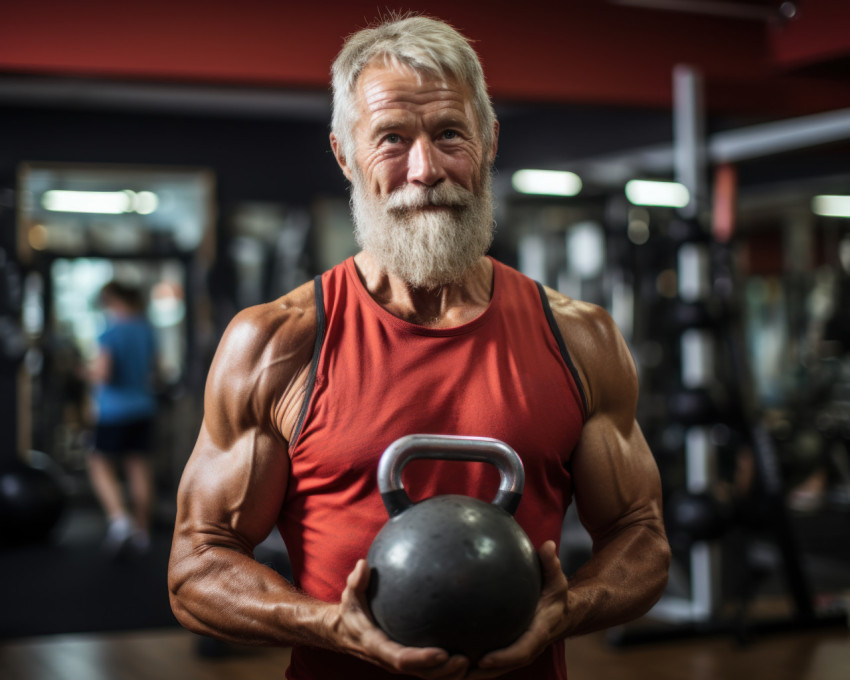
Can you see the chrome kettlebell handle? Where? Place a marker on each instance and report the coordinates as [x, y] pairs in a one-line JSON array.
[[449, 447]]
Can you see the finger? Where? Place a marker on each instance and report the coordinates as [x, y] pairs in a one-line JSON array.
[[409, 659], [358, 579], [432, 662], [549, 559], [554, 579], [372, 644], [354, 595], [423, 662], [528, 645], [519, 653], [455, 668]]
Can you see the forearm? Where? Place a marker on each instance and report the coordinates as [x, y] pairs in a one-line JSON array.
[[622, 580], [228, 595]]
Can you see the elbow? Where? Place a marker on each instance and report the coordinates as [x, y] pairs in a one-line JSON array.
[[178, 578], [179, 611], [184, 618], [175, 597], [183, 614], [661, 568], [664, 571]]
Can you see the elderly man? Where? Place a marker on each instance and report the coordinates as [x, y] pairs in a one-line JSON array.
[[420, 332]]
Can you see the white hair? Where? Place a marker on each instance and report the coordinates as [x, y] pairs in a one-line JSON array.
[[427, 46], [426, 249]]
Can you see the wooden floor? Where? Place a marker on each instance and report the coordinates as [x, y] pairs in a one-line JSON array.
[[165, 654]]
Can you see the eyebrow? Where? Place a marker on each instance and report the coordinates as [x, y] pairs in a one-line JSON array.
[[440, 120], [386, 126], [450, 119]]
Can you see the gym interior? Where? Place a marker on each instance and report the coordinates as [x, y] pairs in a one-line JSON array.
[[684, 164]]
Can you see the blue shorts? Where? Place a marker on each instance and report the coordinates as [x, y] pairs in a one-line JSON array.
[[119, 439]]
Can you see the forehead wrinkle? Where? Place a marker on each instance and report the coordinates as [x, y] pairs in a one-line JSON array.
[[378, 82], [389, 116], [388, 110], [377, 97]]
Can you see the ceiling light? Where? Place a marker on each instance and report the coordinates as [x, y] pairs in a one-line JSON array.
[[831, 206], [100, 202], [546, 182], [666, 194], [103, 202], [145, 202]]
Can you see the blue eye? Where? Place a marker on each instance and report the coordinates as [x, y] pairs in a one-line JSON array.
[[449, 134], [392, 138]]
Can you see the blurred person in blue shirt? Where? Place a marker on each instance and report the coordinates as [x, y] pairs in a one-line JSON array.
[[123, 375]]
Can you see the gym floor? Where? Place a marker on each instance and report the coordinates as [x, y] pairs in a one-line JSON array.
[[159, 655], [163, 651]]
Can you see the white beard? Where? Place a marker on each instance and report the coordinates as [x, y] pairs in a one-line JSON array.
[[425, 248]]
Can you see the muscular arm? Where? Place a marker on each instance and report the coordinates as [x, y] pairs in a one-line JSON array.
[[617, 494], [231, 494], [235, 481], [616, 481]]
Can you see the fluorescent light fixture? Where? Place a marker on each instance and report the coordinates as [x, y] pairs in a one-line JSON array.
[[100, 202], [546, 182], [145, 202], [586, 249], [667, 194], [831, 206]]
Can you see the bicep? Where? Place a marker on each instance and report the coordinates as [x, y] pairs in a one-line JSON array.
[[231, 495], [235, 482], [232, 486], [615, 478]]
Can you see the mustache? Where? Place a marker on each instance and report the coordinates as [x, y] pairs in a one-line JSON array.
[[411, 197]]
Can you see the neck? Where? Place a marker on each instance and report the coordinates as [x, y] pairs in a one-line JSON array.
[[450, 305]]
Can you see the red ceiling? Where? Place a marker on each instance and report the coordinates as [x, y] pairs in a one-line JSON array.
[[587, 51]]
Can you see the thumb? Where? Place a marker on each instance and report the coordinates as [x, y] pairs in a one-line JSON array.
[[358, 579]]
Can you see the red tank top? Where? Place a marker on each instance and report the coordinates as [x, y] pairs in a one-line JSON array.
[[375, 378]]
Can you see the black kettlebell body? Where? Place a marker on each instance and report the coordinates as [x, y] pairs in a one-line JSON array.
[[453, 571]]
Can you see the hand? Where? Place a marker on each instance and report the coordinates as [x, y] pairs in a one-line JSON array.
[[357, 634], [548, 622]]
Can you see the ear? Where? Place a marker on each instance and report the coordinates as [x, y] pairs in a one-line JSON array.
[[495, 141], [340, 158]]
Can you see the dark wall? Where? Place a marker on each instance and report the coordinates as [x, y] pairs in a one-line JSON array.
[[254, 159]]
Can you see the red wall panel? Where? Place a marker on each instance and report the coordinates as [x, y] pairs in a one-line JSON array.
[[574, 50]]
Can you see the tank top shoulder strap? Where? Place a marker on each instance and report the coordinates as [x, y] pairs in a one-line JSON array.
[[321, 323], [562, 346]]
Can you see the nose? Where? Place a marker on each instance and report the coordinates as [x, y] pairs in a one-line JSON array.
[[423, 163]]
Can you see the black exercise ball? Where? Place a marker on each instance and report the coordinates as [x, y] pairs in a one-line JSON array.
[[31, 503], [454, 572]]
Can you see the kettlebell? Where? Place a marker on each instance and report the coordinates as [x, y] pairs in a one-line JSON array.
[[452, 571]]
